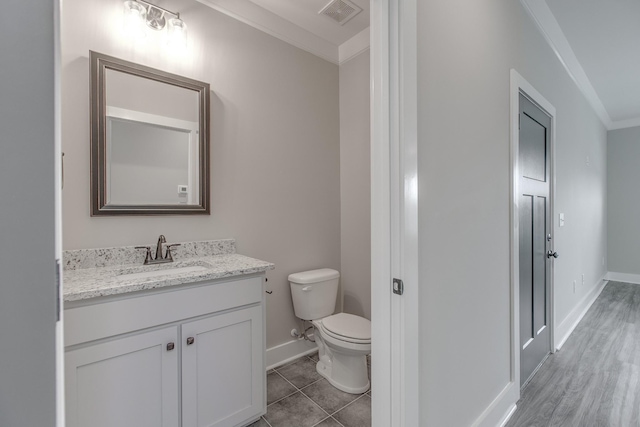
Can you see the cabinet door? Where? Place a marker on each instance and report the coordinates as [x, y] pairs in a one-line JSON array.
[[223, 376], [127, 382]]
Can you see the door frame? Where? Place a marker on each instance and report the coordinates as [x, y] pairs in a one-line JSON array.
[[394, 213], [520, 85]]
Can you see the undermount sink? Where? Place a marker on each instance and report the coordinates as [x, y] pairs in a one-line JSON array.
[[162, 272]]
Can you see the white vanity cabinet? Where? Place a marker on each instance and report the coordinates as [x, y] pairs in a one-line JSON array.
[[187, 356]]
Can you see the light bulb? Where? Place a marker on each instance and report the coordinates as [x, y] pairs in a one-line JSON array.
[[134, 18], [177, 33]]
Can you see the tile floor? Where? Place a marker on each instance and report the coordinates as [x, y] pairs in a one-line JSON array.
[[297, 396]]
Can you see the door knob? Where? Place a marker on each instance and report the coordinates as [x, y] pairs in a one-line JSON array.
[[552, 254], [190, 340]]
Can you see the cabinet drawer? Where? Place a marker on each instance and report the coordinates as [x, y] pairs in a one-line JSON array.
[[146, 310]]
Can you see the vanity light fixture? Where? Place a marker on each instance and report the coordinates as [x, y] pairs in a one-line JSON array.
[[139, 12]]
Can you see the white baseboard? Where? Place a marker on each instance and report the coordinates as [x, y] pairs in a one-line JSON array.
[[501, 409], [291, 350], [623, 277], [508, 415], [564, 329]]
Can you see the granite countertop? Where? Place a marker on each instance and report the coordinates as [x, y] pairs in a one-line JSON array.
[[115, 279]]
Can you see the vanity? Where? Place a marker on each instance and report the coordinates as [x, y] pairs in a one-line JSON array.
[[174, 344]]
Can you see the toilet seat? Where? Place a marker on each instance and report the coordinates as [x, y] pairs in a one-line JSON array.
[[348, 327]]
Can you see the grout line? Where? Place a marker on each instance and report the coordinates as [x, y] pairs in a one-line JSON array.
[[265, 420], [321, 408], [350, 403], [339, 423]]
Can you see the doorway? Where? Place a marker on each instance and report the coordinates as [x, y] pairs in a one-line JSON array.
[[532, 139]]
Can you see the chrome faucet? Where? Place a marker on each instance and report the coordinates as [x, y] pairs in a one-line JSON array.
[[159, 259]]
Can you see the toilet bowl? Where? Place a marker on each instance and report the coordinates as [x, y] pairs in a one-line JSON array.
[[343, 346], [344, 340]]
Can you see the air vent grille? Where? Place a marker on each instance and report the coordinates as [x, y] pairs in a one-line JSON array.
[[340, 11]]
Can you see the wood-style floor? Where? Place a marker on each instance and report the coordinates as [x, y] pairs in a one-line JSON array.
[[594, 381]]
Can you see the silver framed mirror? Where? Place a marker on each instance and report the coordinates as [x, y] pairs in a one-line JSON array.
[[150, 143]]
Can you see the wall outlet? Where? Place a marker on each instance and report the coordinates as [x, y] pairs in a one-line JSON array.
[[583, 279], [574, 286], [561, 220]]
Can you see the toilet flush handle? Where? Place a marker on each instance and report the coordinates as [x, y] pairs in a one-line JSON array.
[[307, 288]]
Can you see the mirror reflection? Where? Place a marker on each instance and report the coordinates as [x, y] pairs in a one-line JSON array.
[[149, 140], [152, 142]]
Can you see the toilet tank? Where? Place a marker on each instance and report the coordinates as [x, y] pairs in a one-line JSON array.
[[314, 293]]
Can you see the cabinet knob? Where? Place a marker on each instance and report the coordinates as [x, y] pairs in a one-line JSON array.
[[170, 346], [190, 340]]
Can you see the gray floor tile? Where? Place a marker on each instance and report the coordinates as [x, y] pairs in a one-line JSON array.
[[329, 422], [301, 373], [328, 397], [259, 423], [294, 411], [314, 357], [277, 388], [358, 414]]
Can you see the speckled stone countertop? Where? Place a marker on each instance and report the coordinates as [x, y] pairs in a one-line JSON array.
[[91, 273]]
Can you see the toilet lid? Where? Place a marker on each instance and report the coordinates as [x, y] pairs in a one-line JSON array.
[[348, 326]]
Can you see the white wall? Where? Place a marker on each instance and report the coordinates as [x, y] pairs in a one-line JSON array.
[[274, 142], [27, 227], [465, 52], [623, 153], [355, 196]]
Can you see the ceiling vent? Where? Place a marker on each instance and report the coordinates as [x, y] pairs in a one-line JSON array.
[[341, 11]]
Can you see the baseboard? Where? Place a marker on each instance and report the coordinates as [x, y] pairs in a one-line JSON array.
[[501, 409], [291, 350], [623, 277], [508, 415], [564, 329]]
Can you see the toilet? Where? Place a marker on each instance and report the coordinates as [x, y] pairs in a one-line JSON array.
[[344, 340]]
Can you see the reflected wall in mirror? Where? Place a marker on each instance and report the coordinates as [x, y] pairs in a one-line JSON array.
[[149, 140]]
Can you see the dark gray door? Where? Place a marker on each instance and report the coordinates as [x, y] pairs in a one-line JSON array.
[[535, 222]]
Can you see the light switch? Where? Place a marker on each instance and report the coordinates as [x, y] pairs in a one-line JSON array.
[[561, 222]]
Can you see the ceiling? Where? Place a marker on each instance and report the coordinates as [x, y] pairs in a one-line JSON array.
[[298, 22], [597, 40]]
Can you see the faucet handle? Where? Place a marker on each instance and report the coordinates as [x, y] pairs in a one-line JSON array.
[[148, 258], [168, 253]]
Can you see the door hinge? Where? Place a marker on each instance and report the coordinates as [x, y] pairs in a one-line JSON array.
[[398, 287]]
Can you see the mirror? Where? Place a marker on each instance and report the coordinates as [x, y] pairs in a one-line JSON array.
[[149, 140]]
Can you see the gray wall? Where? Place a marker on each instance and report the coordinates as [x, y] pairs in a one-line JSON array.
[[27, 227], [623, 153], [355, 195], [275, 160], [465, 52]]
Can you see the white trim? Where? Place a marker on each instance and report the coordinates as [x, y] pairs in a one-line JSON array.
[[508, 416], [566, 327], [404, 225], [550, 29], [518, 85], [380, 217], [623, 277], [289, 351], [623, 124], [58, 182], [499, 411], [276, 26], [354, 46]]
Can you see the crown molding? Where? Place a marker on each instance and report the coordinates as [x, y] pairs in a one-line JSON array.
[[276, 26], [550, 29], [354, 46]]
